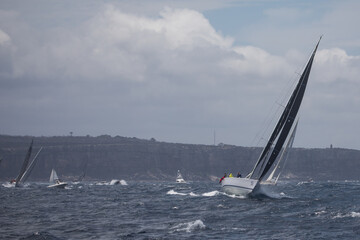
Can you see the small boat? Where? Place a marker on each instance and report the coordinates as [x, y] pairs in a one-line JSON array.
[[82, 176], [179, 178], [54, 179], [269, 154]]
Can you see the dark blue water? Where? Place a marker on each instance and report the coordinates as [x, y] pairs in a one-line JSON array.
[[166, 210]]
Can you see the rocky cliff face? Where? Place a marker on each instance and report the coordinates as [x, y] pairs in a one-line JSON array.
[[106, 157]]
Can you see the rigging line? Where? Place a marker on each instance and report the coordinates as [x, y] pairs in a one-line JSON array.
[[273, 115]]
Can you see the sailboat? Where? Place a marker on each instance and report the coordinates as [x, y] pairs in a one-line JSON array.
[[26, 168], [81, 177], [269, 154], [282, 159], [179, 178], [54, 179]]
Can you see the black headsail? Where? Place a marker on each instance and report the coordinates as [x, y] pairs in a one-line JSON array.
[[286, 120], [25, 164]]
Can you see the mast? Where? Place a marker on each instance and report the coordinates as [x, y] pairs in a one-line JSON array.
[[287, 119]]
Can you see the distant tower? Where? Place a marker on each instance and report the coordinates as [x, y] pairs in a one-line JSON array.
[[331, 146]]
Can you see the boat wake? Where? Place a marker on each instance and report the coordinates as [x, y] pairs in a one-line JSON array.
[[234, 196], [12, 185], [264, 192], [8, 185]]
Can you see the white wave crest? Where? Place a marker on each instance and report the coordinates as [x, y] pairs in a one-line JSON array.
[[351, 214], [235, 196], [172, 192], [193, 194], [320, 212], [208, 194], [123, 182], [211, 194], [8, 185], [190, 226]]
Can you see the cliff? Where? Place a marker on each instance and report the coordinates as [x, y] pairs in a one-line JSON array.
[[107, 157]]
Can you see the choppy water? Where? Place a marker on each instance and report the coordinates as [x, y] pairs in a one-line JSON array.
[[166, 210]]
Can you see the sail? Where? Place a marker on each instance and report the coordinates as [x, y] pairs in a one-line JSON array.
[[288, 146], [53, 176], [287, 118], [30, 168], [179, 176], [284, 152], [81, 177], [25, 164]]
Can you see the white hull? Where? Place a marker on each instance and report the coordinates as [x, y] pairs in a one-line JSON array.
[[58, 185], [238, 186], [180, 180]]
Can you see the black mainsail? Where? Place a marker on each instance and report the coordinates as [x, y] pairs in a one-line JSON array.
[[25, 164], [284, 124]]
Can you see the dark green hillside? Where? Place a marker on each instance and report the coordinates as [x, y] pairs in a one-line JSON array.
[[109, 157]]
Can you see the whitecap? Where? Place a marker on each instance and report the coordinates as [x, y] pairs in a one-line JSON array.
[[190, 226], [355, 214], [211, 194], [193, 194], [114, 182], [101, 183], [351, 214], [320, 212], [221, 206], [172, 192], [235, 196], [123, 182], [8, 185]]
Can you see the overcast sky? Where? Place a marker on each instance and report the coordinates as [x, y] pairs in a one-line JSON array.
[[178, 71]]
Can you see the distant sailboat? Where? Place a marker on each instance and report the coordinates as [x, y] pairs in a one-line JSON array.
[[179, 178], [26, 168], [245, 186], [282, 159], [54, 179], [82, 176]]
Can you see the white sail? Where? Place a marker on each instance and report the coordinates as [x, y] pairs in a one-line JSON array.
[[283, 156], [53, 176]]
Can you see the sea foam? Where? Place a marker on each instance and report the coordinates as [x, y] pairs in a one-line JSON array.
[[190, 226]]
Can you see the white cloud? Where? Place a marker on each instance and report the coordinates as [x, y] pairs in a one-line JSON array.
[[335, 64], [171, 76], [4, 38]]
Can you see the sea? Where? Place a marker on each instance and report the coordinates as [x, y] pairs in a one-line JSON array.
[[169, 210]]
